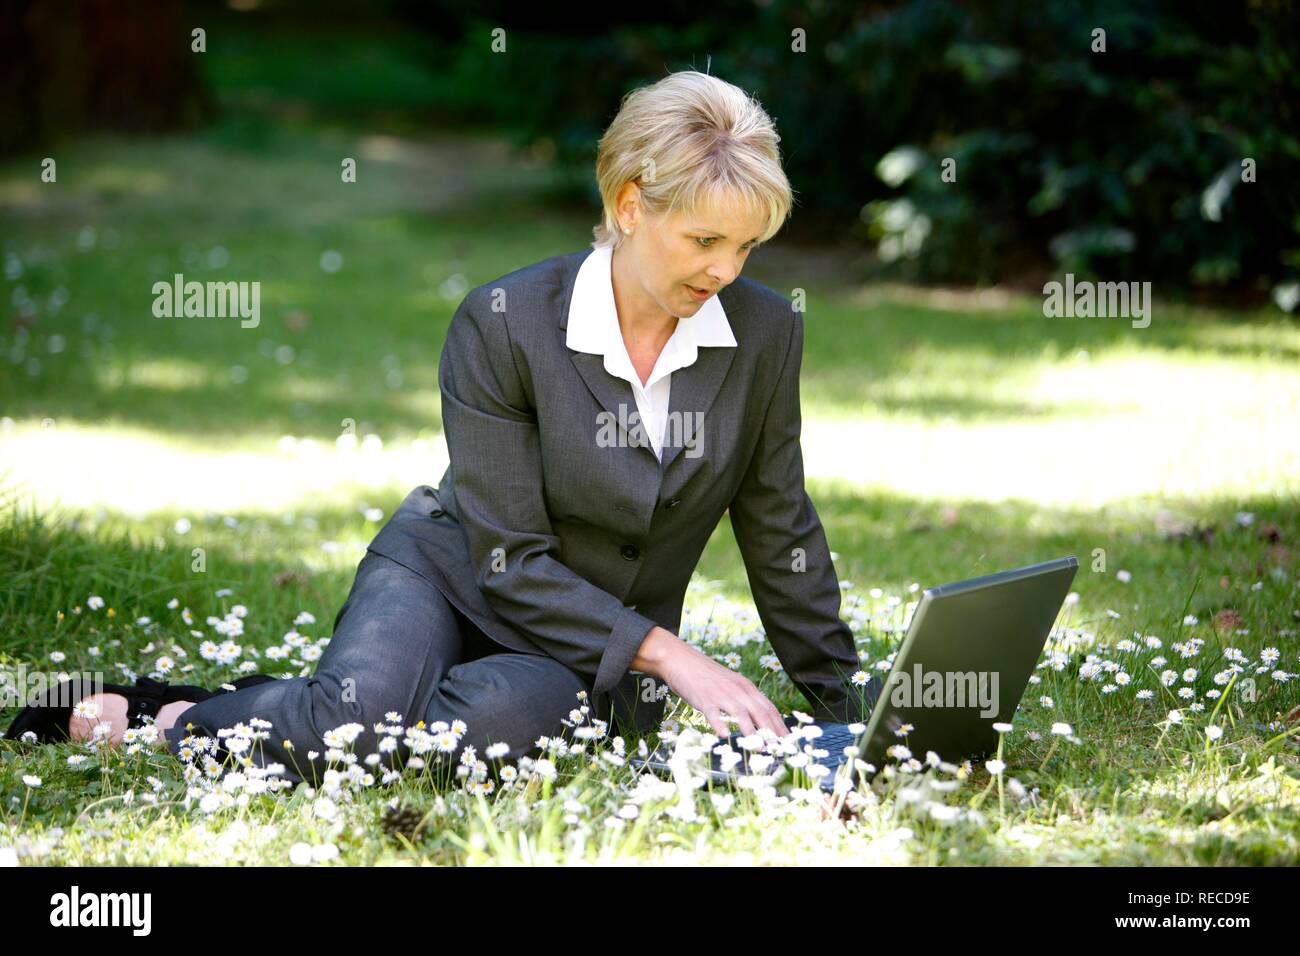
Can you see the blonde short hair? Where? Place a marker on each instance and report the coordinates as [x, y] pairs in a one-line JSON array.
[[688, 140]]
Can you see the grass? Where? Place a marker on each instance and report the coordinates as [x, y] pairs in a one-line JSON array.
[[943, 438]]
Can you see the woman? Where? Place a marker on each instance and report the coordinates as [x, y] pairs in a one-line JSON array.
[[602, 410]]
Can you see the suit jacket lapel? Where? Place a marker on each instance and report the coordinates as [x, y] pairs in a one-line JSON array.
[[690, 396], [611, 391]]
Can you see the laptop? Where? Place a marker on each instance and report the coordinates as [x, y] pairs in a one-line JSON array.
[[962, 667]]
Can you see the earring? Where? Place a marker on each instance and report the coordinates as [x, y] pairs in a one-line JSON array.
[[627, 230]]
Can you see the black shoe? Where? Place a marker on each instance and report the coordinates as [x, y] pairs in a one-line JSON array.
[[49, 721]]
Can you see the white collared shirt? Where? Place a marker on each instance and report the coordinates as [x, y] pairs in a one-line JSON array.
[[593, 327]]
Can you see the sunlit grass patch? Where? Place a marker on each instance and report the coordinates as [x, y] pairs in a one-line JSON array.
[[941, 441]]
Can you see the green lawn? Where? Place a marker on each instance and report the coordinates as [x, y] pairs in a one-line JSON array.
[[944, 438]]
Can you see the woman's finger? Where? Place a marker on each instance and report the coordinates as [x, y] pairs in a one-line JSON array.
[[747, 720], [766, 714], [779, 726], [716, 721]]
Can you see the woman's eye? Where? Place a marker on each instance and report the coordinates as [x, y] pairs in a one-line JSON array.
[[705, 241]]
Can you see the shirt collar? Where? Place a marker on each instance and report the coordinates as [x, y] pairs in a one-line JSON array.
[[593, 323]]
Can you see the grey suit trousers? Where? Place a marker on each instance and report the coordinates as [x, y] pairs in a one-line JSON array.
[[398, 645]]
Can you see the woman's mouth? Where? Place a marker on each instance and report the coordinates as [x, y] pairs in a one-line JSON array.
[[699, 295]]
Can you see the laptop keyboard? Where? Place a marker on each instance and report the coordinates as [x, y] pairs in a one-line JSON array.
[[833, 737], [833, 740]]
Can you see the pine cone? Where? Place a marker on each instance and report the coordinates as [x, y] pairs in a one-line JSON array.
[[401, 820], [1227, 619]]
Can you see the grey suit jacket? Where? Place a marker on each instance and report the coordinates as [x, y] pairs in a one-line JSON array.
[[556, 540]]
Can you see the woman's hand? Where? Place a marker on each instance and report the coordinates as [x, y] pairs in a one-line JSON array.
[[709, 687]]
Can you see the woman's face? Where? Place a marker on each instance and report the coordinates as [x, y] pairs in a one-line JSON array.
[[704, 249]]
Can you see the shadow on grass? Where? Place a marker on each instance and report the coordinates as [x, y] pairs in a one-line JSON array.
[[52, 562], [430, 219]]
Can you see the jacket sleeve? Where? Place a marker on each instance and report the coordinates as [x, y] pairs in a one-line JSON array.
[[493, 441], [787, 560]]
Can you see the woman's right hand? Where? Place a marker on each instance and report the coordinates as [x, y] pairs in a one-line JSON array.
[[711, 688]]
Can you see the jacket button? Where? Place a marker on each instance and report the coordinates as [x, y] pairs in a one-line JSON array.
[[630, 551], [672, 502]]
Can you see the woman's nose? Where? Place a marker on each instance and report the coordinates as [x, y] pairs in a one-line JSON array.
[[722, 276]]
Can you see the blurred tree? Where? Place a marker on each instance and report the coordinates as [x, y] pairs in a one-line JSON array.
[[1120, 163], [67, 67]]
